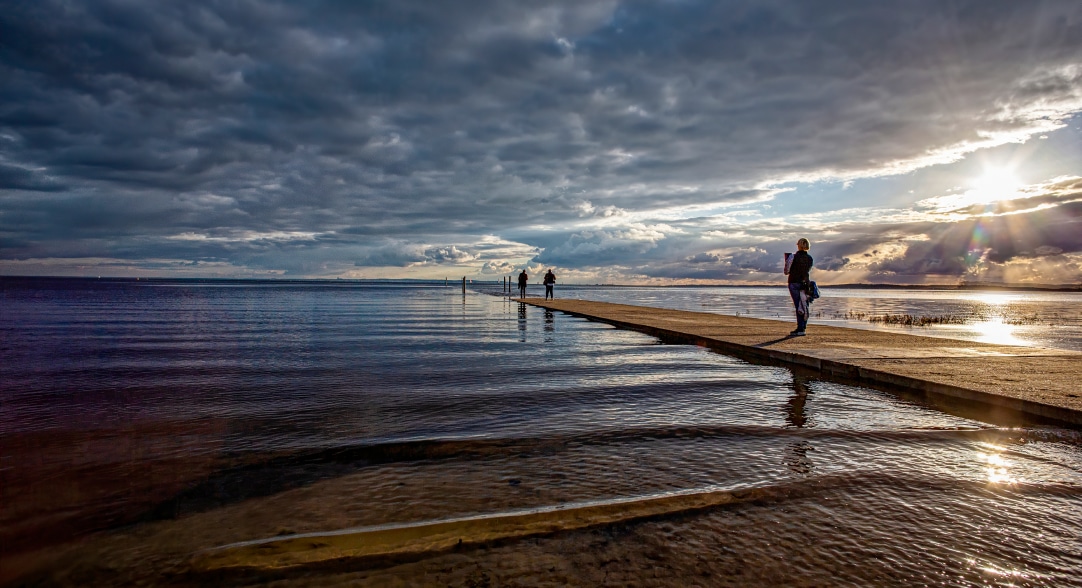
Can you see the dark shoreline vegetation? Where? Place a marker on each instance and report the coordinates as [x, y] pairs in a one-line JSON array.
[[918, 321], [453, 281], [910, 320]]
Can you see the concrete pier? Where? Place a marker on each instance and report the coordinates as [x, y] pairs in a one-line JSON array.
[[1041, 382]]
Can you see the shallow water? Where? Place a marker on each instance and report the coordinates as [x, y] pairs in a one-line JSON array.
[[150, 422]]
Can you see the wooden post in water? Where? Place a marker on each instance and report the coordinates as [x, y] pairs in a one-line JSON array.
[[463, 285]]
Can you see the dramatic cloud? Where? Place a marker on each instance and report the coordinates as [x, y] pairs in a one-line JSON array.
[[616, 140]]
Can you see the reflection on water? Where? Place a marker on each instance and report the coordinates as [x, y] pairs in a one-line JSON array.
[[151, 423], [997, 465], [522, 321], [799, 461], [795, 413], [795, 416], [997, 331]]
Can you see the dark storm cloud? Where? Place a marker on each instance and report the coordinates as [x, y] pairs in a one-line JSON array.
[[19, 178], [953, 249], [602, 247], [421, 121], [704, 258], [1000, 239]]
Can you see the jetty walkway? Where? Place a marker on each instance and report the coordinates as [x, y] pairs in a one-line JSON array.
[[1036, 381]]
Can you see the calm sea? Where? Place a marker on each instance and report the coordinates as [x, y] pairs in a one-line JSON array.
[[143, 422]]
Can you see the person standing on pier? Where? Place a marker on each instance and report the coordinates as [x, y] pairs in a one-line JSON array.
[[550, 281], [522, 279], [798, 268]]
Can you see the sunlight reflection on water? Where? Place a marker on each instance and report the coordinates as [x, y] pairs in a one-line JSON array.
[[997, 466], [999, 332]]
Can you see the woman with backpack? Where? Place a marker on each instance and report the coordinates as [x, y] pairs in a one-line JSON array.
[[798, 268]]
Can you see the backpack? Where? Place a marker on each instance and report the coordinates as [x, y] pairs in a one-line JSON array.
[[811, 290]]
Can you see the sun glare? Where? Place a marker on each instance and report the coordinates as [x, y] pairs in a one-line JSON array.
[[993, 186]]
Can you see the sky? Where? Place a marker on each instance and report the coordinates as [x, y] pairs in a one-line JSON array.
[[667, 142]]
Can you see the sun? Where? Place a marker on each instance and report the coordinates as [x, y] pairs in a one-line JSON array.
[[993, 186]]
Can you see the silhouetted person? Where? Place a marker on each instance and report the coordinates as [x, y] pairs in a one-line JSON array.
[[522, 279], [799, 270], [550, 281]]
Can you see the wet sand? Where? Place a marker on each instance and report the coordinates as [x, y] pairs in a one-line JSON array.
[[1040, 382]]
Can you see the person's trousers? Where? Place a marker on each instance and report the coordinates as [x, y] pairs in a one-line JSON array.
[[522, 291], [548, 292], [800, 301]]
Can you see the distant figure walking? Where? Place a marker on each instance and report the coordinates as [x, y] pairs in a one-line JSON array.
[[550, 281], [798, 268], [522, 279]]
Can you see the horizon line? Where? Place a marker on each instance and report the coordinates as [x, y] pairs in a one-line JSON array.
[[450, 281]]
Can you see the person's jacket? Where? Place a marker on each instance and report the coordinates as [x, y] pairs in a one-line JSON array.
[[800, 269]]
